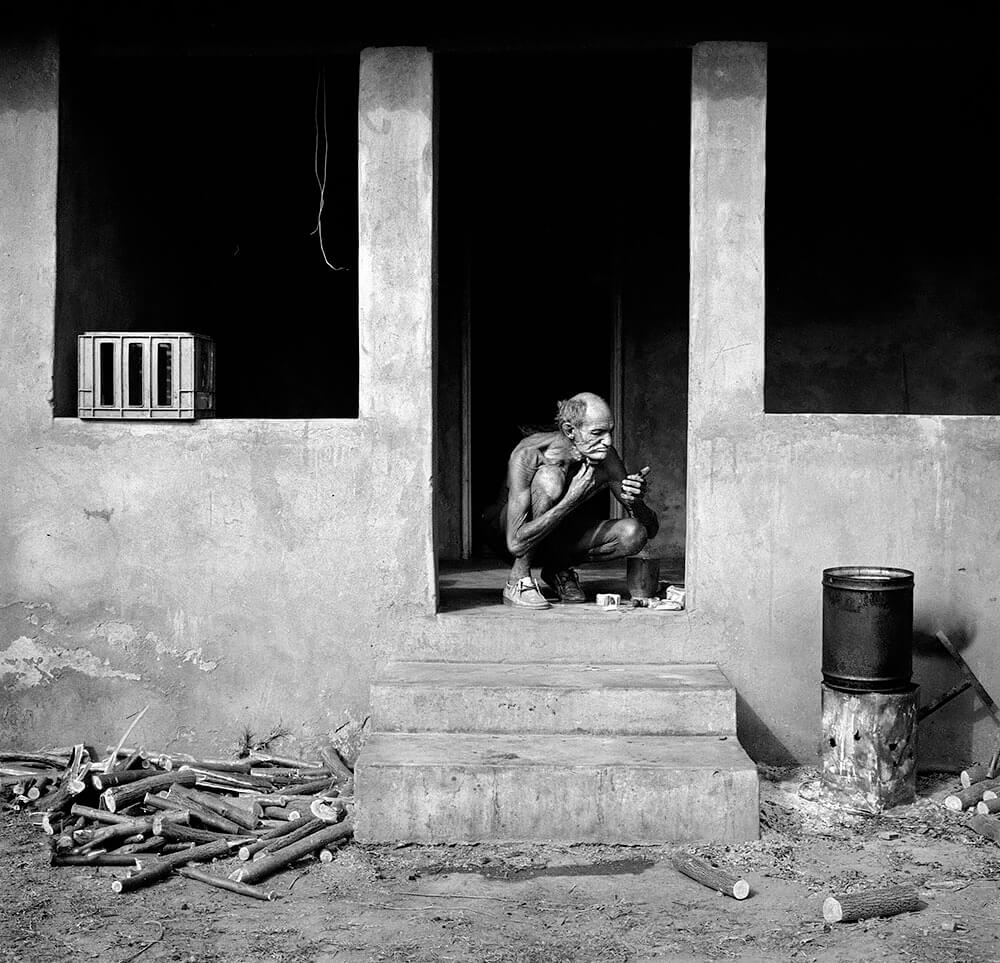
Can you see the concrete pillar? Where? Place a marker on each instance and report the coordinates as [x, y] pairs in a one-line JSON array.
[[29, 133], [726, 379], [395, 281]]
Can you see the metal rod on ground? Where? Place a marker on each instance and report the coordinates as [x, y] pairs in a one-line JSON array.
[[942, 700]]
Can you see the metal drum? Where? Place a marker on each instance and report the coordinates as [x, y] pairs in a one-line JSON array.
[[868, 628]]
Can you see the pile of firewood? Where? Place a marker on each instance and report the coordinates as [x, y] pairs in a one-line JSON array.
[[157, 813]]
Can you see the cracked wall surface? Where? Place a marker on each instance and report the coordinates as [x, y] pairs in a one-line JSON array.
[[227, 573]]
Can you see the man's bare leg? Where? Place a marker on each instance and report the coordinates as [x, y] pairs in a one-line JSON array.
[[547, 488], [602, 542]]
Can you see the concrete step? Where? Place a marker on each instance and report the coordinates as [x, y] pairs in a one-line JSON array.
[[651, 699], [564, 633], [461, 788]]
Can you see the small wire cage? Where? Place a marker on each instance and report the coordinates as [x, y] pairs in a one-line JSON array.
[[165, 375]]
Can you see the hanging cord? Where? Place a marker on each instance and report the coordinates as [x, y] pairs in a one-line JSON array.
[[321, 181]]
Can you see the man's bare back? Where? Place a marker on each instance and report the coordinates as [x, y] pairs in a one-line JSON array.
[[550, 475]]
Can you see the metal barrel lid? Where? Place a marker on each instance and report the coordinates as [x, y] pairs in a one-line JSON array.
[[868, 578]]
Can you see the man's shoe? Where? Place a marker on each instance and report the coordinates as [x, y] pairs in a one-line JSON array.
[[525, 593], [566, 585]]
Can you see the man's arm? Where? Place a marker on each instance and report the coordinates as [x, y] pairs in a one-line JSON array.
[[524, 532], [630, 491]]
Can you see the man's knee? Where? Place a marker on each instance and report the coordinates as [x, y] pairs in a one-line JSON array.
[[549, 482], [631, 536]]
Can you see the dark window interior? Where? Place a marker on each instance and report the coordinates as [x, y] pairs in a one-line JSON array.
[[883, 294], [187, 202]]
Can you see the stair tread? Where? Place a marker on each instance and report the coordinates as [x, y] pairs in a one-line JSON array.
[[508, 750], [555, 675]]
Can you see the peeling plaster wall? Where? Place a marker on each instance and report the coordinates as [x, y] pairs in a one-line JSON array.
[[229, 573], [775, 499]]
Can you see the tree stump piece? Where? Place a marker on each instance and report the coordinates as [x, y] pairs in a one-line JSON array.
[[876, 902], [869, 748], [711, 876]]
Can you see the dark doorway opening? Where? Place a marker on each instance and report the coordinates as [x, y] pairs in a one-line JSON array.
[[562, 267]]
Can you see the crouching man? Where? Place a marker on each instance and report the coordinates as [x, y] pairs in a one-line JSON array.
[[549, 476]]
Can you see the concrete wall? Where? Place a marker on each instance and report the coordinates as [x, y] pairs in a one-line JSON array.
[[228, 573], [235, 572], [775, 499]]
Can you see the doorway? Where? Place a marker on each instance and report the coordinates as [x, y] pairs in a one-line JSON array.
[[562, 265]]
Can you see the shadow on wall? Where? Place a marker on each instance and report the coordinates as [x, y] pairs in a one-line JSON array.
[[758, 739], [945, 738]]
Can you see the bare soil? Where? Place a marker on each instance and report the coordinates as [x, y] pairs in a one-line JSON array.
[[494, 904]]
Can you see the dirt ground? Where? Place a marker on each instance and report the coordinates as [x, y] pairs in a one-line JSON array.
[[494, 904]]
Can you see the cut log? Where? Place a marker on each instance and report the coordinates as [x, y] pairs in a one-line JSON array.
[[162, 869], [310, 788], [327, 809], [267, 845], [972, 775], [285, 762], [336, 761], [150, 845], [55, 760], [222, 882], [256, 871], [243, 818], [176, 817], [120, 777], [174, 760], [225, 780], [281, 813], [115, 799], [208, 818], [98, 815], [986, 826], [282, 829], [965, 798], [987, 807], [188, 834], [989, 794], [118, 831], [711, 876], [98, 859], [877, 902]]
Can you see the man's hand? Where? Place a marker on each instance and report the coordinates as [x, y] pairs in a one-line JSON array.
[[634, 486], [581, 486]]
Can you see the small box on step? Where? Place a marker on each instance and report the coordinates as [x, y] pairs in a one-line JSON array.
[[167, 375]]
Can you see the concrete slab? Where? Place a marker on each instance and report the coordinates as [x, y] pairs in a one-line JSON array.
[[450, 787], [564, 633], [654, 699]]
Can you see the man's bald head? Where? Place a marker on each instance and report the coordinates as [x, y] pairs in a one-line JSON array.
[[585, 420], [581, 407]]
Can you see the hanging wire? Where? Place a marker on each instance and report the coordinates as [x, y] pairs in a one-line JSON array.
[[321, 180]]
